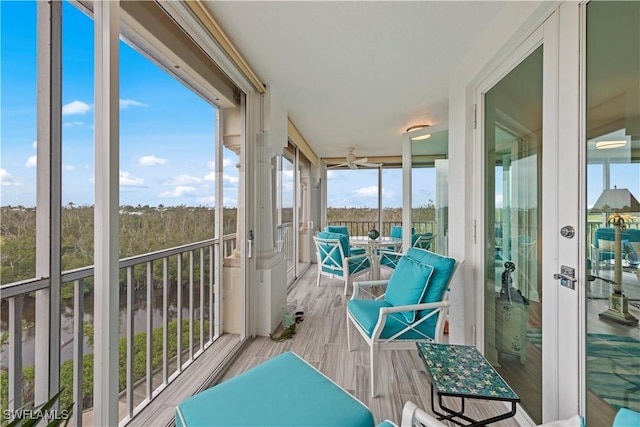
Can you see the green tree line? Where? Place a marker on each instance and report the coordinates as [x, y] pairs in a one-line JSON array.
[[143, 229]]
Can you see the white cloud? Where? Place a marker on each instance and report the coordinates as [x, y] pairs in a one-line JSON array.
[[330, 174], [75, 107], [31, 162], [498, 200], [179, 191], [126, 103], [35, 144], [7, 179], [184, 180], [230, 179], [211, 176], [73, 124], [151, 161], [68, 168], [367, 191], [226, 162], [128, 180]]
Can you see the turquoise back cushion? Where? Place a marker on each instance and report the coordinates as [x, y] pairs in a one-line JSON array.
[[408, 284], [342, 229], [442, 271], [396, 231], [335, 255]]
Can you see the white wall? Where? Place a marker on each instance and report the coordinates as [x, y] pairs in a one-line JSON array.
[[514, 23]]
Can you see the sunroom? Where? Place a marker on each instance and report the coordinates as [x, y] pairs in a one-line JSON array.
[[166, 165]]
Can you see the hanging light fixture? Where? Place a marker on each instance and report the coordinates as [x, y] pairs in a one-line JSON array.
[[419, 137]]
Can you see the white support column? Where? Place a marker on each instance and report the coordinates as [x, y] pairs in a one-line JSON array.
[[105, 389], [49, 136], [271, 265]]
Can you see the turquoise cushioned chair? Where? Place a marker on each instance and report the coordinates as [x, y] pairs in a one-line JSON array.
[[343, 229], [413, 308], [335, 259], [602, 246]]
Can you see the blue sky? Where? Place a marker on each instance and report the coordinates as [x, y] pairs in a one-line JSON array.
[[166, 131]]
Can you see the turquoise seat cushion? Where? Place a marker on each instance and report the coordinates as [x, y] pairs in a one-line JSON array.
[[366, 312], [408, 284], [283, 391], [356, 265], [626, 417], [442, 271], [387, 423], [357, 251]]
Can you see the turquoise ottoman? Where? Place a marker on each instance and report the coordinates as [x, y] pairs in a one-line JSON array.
[[283, 391]]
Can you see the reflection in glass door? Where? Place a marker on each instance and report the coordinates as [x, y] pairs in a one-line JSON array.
[[613, 162], [429, 191], [513, 208]]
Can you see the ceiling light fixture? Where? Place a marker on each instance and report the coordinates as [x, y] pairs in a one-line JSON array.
[[419, 137], [605, 145]]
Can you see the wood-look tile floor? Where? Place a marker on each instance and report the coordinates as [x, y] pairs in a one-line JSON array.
[[322, 341]]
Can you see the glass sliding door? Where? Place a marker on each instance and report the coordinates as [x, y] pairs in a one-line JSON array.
[[613, 162], [513, 209], [429, 191]]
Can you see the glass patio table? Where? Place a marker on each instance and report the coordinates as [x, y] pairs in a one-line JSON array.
[[461, 371], [371, 246]]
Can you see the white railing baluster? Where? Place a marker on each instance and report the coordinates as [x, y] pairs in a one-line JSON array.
[[15, 352], [165, 320], [78, 350], [149, 330], [130, 333], [179, 313], [191, 261], [201, 299], [211, 322]]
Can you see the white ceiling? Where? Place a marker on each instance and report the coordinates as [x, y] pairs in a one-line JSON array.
[[356, 73]]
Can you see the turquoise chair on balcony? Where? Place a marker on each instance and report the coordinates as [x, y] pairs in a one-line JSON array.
[[413, 308], [422, 240], [389, 257], [335, 259], [343, 229]]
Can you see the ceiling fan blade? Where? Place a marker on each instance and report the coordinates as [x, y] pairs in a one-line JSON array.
[[370, 165], [339, 165], [361, 160]]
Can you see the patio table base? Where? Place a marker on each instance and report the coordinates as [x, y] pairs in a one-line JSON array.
[[455, 416]]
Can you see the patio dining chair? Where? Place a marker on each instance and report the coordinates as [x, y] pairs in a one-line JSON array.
[[335, 259], [343, 229], [412, 309], [389, 257]]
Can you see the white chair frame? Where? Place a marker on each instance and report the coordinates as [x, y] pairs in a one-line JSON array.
[[377, 344], [341, 271]]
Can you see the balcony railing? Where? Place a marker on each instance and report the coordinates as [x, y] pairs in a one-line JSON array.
[[171, 288], [361, 228]]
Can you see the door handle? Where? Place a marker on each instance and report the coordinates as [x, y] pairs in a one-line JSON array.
[[559, 276]]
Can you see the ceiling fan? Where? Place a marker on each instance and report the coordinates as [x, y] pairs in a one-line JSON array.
[[354, 163]]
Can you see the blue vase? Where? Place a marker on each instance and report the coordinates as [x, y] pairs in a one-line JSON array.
[[373, 234]]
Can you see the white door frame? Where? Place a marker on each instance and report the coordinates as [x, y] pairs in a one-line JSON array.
[[561, 174]]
